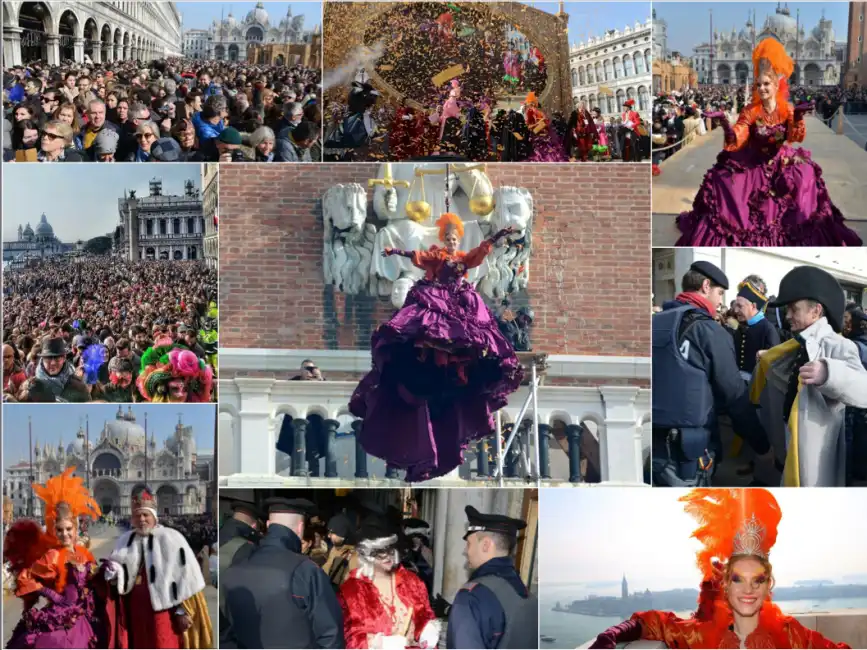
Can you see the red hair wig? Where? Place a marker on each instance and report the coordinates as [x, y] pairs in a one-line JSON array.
[[770, 57], [450, 220]]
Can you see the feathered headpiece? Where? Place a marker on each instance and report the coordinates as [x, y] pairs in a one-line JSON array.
[[450, 220], [775, 54], [160, 365], [68, 490], [92, 359], [732, 522]]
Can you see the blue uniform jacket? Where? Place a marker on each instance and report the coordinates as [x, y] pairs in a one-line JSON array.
[[476, 619]]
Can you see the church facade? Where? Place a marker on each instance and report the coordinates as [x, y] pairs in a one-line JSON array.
[[729, 59], [34, 244], [122, 462]]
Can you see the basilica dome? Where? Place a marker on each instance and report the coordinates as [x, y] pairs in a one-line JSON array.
[[124, 431], [44, 229], [28, 232], [77, 447], [782, 23], [258, 15]]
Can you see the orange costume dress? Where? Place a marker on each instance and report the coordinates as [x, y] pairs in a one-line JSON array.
[[733, 523]]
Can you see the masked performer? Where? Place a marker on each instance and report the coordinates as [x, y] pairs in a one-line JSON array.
[[384, 604], [153, 586], [762, 191], [172, 373], [54, 565], [546, 145], [441, 367], [737, 529]]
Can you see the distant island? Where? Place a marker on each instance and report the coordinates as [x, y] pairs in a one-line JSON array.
[[676, 600]]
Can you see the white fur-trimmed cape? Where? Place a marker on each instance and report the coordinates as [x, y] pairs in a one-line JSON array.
[[171, 568]]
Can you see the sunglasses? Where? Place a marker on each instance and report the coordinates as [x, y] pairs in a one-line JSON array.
[[148, 136], [51, 136], [310, 368]]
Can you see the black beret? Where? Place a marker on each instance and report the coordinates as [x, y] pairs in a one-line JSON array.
[[711, 272]]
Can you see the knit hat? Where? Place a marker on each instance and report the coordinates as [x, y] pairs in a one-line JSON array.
[[105, 142], [230, 135], [166, 150]]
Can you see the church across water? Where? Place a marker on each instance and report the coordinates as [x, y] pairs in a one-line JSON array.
[[36, 244]]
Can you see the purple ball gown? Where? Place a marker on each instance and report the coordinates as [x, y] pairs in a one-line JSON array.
[[764, 192], [65, 622], [441, 368]]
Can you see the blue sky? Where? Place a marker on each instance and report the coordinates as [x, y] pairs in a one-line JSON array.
[[198, 15], [80, 201], [52, 423], [588, 19], [689, 22], [645, 534]]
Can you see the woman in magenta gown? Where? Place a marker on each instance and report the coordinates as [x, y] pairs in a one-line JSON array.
[[52, 565], [441, 366], [762, 191]]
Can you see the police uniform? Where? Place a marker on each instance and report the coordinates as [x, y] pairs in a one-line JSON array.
[[236, 538], [695, 376], [494, 609], [277, 597]]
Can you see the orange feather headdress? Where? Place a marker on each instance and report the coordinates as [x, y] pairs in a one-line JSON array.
[[69, 490], [775, 54], [450, 220], [732, 522]]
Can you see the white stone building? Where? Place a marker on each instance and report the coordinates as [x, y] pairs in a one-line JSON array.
[[31, 244], [228, 38], [196, 43], [117, 460], [161, 227], [102, 31], [660, 38], [619, 61], [817, 56], [210, 207], [849, 266]]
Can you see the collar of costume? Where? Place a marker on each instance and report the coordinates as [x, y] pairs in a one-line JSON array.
[[757, 318], [170, 566]]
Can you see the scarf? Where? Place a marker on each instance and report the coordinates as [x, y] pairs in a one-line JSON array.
[[57, 383], [756, 319], [696, 300]]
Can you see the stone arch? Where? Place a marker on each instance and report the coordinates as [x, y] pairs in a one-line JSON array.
[[812, 75], [638, 61], [562, 416], [618, 67], [167, 499], [36, 21], [126, 43], [321, 411], [724, 73], [742, 73], [106, 462], [598, 72], [68, 18], [107, 494], [10, 16], [106, 45], [91, 35]]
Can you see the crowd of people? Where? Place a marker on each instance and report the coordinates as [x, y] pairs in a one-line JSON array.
[[167, 110], [96, 328], [363, 578], [764, 363], [147, 593]]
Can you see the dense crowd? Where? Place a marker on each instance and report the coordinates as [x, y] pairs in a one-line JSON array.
[[104, 329], [169, 110], [677, 116]]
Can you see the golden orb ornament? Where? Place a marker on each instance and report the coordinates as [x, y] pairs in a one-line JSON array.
[[418, 211], [482, 205]]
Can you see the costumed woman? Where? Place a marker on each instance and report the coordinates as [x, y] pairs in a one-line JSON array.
[[628, 133], [54, 565], [441, 366], [384, 604], [172, 373], [737, 530], [546, 145], [581, 133], [762, 191]]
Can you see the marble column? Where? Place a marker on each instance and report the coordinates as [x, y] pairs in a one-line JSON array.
[[53, 46], [255, 443], [11, 46], [620, 457], [118, 52], [96, 54], [78, 49]]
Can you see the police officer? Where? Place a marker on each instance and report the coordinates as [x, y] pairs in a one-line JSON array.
[[239, 535], [494, 609], [277, 597], [695, 376]]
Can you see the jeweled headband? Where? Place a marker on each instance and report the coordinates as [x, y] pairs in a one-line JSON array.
[[750, 539]]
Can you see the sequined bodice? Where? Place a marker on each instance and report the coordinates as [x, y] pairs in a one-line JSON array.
[[767, 140], [451, 272]]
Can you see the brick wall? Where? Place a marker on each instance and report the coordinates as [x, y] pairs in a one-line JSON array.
[[589, 281]]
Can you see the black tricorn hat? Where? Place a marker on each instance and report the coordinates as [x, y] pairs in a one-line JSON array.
[[810, 283], [53, 347]]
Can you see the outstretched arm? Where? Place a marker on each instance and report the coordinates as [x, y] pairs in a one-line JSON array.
[[735, 136], [796, 129]]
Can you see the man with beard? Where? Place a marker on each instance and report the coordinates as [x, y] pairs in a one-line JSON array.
[[240, 534], [55, 371], [494, 609], [277, 597], [804, 385], [120, 388], [155, 593], [341, 558]]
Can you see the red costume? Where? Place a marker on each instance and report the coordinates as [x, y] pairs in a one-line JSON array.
[[584, 134], [634, 119], [365, 614], [733, 524]]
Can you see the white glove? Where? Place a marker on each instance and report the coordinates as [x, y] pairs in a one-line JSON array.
[[112, 571], [381, 641], [430, 635], [628, 124]]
